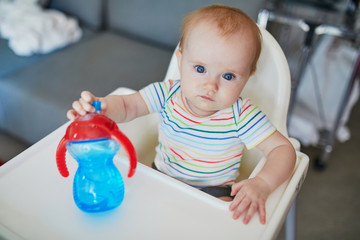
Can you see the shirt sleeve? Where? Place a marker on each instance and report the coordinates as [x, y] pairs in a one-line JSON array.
[[156, 94], [253, 125]]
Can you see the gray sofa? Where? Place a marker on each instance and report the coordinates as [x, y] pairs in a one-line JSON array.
[[125, 43]]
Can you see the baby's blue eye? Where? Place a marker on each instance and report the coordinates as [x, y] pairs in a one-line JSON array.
[[200, 69], [228, 76]]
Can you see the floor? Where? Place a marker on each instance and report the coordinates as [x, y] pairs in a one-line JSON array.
[[10, 147], [328, 203]]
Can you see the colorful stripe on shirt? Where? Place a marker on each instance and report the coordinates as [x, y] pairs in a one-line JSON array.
[[203, 151]]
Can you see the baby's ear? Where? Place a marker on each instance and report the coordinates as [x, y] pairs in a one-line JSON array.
[[178, 54]]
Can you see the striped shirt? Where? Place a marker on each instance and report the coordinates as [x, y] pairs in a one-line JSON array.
[[202, 151]]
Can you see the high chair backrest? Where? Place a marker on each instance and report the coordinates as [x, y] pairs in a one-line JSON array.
[[269, 88]]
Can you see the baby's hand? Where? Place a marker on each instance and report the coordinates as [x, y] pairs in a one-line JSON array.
[[83, 105], [251, 195]]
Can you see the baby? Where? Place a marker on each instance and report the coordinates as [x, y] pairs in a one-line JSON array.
[[204, 123]]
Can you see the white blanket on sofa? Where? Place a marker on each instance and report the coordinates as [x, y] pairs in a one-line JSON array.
[[31, 29]]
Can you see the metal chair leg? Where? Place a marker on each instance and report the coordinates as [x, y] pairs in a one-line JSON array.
[[290, 223]]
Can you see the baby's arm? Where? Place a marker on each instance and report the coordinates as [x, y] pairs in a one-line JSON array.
[[120, 108], [251, 194]]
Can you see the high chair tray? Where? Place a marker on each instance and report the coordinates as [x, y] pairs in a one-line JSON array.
[[37, 203]]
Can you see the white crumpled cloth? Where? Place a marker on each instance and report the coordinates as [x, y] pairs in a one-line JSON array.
[[32, 30], [330, 68]]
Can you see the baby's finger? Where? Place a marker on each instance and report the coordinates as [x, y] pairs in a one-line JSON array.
[[235, 188], [241, 208], [88, 96], [72, 115], [78, 108], [250, 213], [86, 105], [103, 104], [262, 213], [237, 200]]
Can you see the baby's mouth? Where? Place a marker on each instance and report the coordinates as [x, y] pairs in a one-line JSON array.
[[207, 98]]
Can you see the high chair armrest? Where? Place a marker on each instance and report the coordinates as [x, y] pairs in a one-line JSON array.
[[289, 190], [296, 144], [292, 188]]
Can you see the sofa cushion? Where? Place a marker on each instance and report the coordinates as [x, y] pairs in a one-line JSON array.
[[159, 21], [34, 101], [10, 62], [88, 12]]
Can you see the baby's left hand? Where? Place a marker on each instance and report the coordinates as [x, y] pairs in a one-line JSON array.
[[251, 195]]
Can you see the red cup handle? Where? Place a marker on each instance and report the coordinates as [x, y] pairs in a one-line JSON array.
[[60, 158], [118, 136]]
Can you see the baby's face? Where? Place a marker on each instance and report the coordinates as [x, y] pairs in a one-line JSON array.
[[214, 69]]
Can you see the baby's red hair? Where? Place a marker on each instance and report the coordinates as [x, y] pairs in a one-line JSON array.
[[229, 20]]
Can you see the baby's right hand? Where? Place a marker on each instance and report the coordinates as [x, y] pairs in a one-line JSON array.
[[83, 105]]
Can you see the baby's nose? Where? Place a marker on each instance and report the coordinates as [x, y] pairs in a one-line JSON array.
[[211, 84]]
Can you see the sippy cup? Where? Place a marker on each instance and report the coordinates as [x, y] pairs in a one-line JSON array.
[[93, 140]]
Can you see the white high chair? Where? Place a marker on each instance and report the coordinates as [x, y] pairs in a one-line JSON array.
[[269, 88], [37, 203]]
